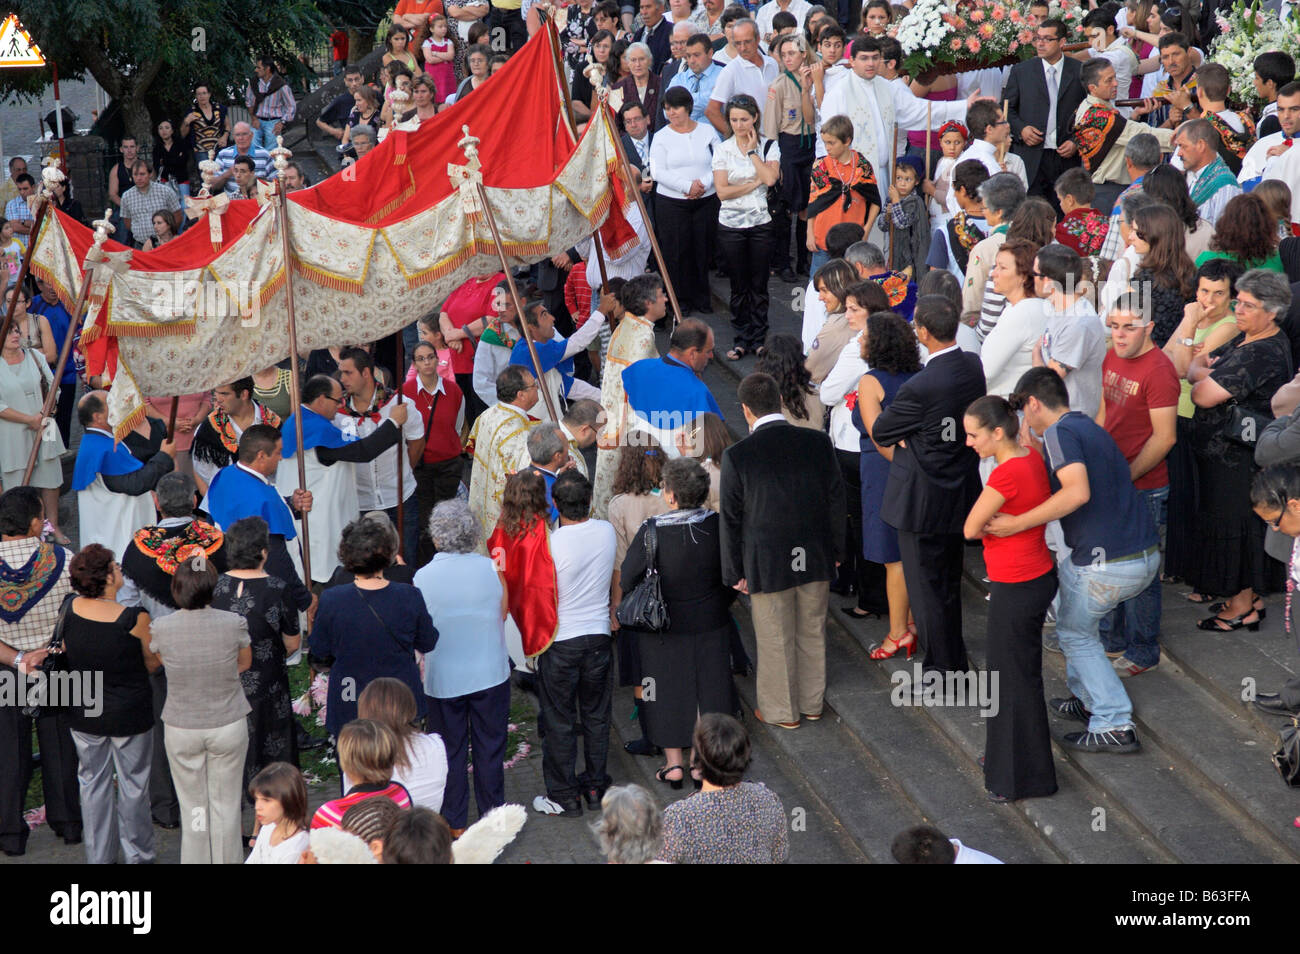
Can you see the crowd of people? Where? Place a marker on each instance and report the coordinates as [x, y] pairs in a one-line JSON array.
[[1071, 337]]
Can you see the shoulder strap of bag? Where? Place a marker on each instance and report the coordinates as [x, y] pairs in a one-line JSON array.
[[56, 638], [388, 629], [651, 546]]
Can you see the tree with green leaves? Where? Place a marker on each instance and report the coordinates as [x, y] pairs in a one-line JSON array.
[[149, 54]]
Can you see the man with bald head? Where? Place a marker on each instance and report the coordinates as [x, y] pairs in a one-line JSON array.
[[114, 490], [682, 32], [243, 147]]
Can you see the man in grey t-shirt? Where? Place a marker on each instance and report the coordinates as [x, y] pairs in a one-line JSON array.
[[1074, 341]]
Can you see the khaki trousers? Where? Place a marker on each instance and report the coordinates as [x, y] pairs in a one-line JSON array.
[[790, 630]]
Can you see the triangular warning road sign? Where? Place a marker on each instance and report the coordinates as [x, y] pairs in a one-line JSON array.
[[16, 46]]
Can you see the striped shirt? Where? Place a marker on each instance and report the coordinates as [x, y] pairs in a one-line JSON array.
[[138, 207], [278, 107], [261, 158], [330, 815]]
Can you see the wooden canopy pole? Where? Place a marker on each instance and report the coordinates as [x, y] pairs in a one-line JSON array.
[[519, 305], [102, 228], [626, 170], [26, 266], [282, 207]]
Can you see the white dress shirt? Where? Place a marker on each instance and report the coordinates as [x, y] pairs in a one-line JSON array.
[[797, 8], [982, 151], [1213, 207], [377, 479], [765, 419]]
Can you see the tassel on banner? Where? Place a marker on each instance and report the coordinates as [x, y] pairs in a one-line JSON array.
[[66, 299], [133, 420], [269, 290], [135, 330], [327, 280]]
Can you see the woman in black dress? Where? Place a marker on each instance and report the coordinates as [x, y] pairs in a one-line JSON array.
[[1228, 539], [263, 600], [688, 663]]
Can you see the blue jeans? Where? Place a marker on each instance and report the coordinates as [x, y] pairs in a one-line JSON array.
[[1088, 593], [819, 258], [264, 135], [1133, 627]]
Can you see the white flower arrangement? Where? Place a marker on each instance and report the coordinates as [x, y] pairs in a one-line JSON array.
[[924, 27], [1244, 33]]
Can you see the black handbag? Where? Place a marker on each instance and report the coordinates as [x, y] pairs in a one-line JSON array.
[[1287, 757], [1244, 425], [54, 662], [644, 608]]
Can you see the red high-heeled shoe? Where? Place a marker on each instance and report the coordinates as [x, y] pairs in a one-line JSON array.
[[880, 652]]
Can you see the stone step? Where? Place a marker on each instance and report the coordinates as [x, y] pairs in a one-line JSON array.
[[907, 749], [1203, 764], [1068, 821]]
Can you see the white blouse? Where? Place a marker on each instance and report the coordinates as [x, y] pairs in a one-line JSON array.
[[678, 159], [286, 852], [748, 210]]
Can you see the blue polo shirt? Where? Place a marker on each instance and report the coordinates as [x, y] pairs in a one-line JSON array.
[[1114, 523]]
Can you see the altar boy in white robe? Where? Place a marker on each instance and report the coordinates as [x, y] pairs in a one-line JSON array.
[[333, 489], [114, 497]]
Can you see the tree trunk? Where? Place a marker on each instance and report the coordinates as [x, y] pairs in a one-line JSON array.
[[137, 122]]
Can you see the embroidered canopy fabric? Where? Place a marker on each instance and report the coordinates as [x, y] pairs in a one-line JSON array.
[[373, 247]]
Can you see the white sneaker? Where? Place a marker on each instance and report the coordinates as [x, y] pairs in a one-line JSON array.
[[547, 807]]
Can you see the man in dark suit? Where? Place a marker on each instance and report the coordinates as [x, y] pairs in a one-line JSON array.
[[933, 480], [655, 32], [677, 47], [782, 552], [1042, 96], [636, 144]]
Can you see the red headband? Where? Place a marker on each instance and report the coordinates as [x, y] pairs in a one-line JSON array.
[[953, 126]]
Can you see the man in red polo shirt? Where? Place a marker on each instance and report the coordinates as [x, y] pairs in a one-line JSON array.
[[1139, 409], [440, 467]]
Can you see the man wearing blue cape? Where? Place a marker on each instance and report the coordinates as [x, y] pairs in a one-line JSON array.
[[665, 395], [113, 489], [246, 489], [334, 488]]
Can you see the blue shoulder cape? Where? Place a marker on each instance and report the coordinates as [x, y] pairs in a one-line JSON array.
[[235, 493], [316, 432], [666, 393], [550, 354], [98, 455]]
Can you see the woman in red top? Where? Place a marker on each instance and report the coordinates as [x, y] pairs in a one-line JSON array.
[[1022, 582]]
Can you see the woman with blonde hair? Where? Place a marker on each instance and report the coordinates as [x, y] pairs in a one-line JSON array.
[[421, 763]]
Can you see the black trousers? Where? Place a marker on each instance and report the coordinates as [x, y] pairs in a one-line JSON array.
[[796, 174], [932, 568], [868, 578], [575, 692], [748, 256], [686, 229], [478, 720], [63, 410], [58, 772], [434, 483], [162, 793], [1018, 751], [516, 31], [1050, 167], [474, 405]]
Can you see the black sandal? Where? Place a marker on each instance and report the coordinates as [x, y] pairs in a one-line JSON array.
[[736, 353], [1198, 598], [674, 783], [1217, 624]]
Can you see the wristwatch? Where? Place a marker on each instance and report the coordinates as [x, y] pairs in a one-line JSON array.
[[752, 152], [18, 660], [1187, 342]]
